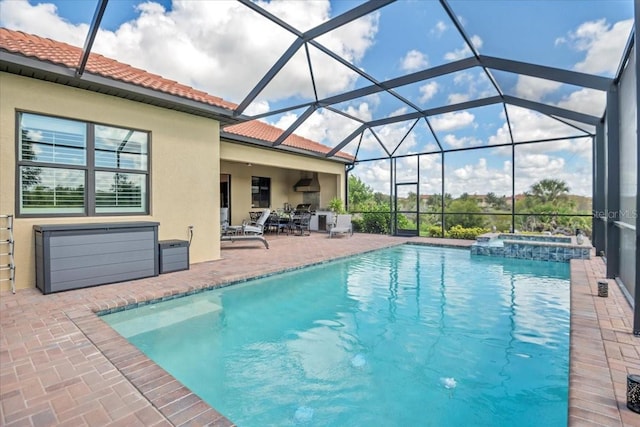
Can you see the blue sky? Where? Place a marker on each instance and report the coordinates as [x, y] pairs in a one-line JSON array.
[[224, 48]]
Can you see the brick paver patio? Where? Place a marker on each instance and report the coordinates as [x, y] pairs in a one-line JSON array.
[[61, 365]]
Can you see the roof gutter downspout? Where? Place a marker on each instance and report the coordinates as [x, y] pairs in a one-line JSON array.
[[348, 168]]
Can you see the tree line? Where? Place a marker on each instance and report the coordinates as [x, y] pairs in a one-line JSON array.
[[546, 207]]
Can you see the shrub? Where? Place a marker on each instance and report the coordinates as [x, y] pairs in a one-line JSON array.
[[357, 224], [335, 205], [434, 231], [460, 232], [376, 222]]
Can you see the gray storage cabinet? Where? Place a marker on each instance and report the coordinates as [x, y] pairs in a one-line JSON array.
[[72, 256], [174, 255]]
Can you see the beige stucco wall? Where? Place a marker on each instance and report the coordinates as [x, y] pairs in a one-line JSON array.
[[283, 168], [185, 167]]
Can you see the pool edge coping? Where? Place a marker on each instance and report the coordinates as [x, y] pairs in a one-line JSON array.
[[597, 386]]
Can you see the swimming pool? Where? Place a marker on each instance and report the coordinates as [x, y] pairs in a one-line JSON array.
[[411, 335]]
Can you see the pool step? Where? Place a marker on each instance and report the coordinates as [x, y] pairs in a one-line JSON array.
[[155, 316]]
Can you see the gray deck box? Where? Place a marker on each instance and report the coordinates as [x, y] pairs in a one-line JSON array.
[[72, 256], [174, 255]]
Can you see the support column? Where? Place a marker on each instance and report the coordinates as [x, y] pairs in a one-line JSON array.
[[599, 191], [636, 310], [612, 244]]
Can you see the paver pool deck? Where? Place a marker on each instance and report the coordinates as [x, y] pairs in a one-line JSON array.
[[61, 365]]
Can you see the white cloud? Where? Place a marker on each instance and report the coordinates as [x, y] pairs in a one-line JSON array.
[[430, 174], [478, 178], [439, 28], [465, 51], [414, 60], [41, 19], [361, 111], [528, 125], [428, 91], [539, 165], [481, 178], [286, 120], [565, 159], [502, 136], [477, 41], [535, 89], [327, 126], [457, 54], [465, 141], [318, 12], [533, 167], [220, 47], [602, 44], [390, 136], [457, 98], [257, 107], [588, 101], [375, 174], [451, 121], [463, 78], [472, 85]]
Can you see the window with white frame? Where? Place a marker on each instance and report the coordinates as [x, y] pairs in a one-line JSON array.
[[73, 168]]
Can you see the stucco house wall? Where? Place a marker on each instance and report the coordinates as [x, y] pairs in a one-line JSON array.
[[184, 165]]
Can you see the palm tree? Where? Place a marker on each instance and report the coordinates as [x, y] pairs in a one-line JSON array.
[[550, 190]]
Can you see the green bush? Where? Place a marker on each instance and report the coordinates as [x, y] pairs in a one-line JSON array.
[[376, 222], [335, 205], [434, 231], [404, 223], [357, 224], [460, 232]]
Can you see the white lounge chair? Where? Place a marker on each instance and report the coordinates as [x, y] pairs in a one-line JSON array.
[[237, 233], [241, 237], [343, 225], [258, 228]]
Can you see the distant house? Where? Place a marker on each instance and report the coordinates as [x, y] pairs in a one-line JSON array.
[[516, 198], [119, 144]]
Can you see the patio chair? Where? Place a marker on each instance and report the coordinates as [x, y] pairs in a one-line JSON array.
[[300, 225], [226, 229], [230, 233], [274, 223], [343, 225], [258, 228]]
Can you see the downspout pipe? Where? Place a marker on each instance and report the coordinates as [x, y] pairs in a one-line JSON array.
[[348, 168]]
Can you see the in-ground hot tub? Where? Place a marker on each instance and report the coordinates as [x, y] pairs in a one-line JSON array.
[[532, 246]]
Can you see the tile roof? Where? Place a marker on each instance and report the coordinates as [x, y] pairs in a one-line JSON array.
[[60, 53], [64, 54], [265, 132]]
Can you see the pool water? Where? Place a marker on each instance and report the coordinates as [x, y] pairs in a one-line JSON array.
[[407, 336]]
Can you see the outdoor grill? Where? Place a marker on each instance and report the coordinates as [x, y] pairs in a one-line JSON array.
[[301, 208]]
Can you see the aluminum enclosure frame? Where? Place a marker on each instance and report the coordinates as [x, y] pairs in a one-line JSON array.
[[606, 179]]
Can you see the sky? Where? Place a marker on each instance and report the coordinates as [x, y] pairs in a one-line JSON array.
[[225, 48]]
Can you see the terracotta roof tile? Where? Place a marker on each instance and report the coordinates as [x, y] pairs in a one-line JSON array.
[[265, 132], [64, 54]]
